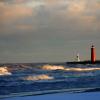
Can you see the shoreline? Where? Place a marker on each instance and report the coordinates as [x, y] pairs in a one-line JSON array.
[[60, 96], [68, 91]]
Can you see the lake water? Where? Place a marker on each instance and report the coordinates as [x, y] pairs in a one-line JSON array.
[[46, 78]]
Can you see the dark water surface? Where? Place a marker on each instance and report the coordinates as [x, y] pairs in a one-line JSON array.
[[44, 78]]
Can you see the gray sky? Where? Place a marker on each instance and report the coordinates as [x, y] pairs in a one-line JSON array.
[[48, 30]]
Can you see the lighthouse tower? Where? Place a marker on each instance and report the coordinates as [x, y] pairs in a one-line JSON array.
[[93, 54], [78, 57]]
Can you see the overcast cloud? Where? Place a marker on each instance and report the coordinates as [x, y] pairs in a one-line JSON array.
[[48, 30]]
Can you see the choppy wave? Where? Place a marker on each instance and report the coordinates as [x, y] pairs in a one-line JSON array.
[[81, 69], [38, 77], [48, 78], [7, 70], [4, 71], [54, 67]]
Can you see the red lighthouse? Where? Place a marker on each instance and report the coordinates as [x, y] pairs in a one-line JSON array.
[[93, 55]]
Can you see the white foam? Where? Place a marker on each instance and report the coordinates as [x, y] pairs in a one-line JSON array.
[[82, 69], [4, 71], [38, 77], [55, 67], [52, 67]]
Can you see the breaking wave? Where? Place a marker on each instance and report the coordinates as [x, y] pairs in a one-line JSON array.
[[52, 67], [4, 71], [42, 78], [38, 77], [55, 67], [82, 69]]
